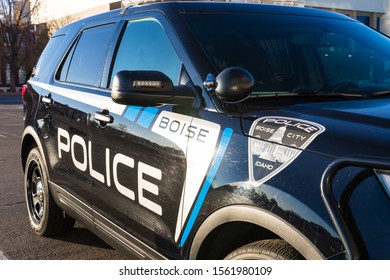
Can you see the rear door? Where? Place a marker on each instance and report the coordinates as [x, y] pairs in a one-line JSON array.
[[69, 99]]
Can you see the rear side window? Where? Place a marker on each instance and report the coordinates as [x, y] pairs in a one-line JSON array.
[[48, 54], [85, 61]]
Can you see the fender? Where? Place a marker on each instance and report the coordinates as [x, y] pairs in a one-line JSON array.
[[29, 131], [258, 217]]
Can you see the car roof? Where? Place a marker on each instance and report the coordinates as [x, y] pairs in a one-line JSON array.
[[199, 7], [232, 7]]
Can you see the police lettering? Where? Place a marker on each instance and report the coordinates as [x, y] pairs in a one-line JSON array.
[[303, 126], [68, 144], [184, 129]]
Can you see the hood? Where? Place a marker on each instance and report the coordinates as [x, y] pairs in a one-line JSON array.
[[360, 127]]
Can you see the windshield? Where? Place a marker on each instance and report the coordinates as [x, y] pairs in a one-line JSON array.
[[289, 53]]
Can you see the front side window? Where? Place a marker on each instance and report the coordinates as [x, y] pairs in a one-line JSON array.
[[85, 61], [145, 46]]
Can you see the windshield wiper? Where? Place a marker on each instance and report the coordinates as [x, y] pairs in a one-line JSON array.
[[380, 93], [308, 91], [363, 92], [328, 93]]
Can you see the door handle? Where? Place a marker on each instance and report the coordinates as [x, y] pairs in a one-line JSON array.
[[47, 99], [103, 117]]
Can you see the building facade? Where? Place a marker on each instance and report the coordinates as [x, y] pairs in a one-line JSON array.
[[374, 13], [55, 10]]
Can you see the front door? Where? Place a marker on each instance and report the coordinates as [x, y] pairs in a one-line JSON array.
[[140, 173]]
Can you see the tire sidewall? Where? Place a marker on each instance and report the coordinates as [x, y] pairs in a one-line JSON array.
[[35, 157], [267, 249], [250, 256]]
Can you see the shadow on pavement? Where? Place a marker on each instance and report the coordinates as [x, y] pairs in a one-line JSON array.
[[10, 98]]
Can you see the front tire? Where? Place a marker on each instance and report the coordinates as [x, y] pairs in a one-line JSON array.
[[46, 218], [272, 249]]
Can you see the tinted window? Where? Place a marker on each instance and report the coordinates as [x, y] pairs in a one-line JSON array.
[[145, 46], [363, 202], [48, 53], [288, 53], [85, 61], [370, 208]]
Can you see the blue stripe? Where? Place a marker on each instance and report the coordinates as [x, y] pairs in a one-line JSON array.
[[132, 113], [225, 139], [147, 116]]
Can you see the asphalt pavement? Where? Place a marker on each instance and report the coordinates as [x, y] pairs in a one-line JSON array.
[[10, 131]]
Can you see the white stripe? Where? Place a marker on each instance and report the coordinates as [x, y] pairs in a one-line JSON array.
[[96, 100], [198, 153]]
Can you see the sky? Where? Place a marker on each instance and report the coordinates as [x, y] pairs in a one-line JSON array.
[[53, 9]]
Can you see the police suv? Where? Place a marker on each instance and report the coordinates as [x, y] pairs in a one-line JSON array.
[[213, 130]]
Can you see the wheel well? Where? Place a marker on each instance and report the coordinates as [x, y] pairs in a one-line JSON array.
[[229, 236], [231, 227], [27, 145]]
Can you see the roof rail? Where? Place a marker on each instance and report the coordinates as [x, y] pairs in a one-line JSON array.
[[131, 3]]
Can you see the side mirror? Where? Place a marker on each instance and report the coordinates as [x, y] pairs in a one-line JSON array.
[[233, 85], [148, 89]]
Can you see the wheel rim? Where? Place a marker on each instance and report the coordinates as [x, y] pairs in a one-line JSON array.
[[35, 193]]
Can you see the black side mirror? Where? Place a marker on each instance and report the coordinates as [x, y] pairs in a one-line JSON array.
[[148, 88], [136, 87], [232, 85]]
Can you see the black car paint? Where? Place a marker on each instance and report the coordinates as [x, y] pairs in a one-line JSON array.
[[291, 197]]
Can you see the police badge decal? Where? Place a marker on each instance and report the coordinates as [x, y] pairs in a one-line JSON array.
[[275, 142]]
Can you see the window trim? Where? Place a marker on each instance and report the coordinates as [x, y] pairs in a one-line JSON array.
[[124, 25], [71, 50]]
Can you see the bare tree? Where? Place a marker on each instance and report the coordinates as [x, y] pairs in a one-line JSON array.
[[54, 24], [16, 34]]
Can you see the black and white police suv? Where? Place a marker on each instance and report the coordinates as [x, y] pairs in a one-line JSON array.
[[212, 130]]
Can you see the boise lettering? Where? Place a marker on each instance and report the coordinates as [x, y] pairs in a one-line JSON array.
[[183, 128], [198, 139], [68, 144]]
